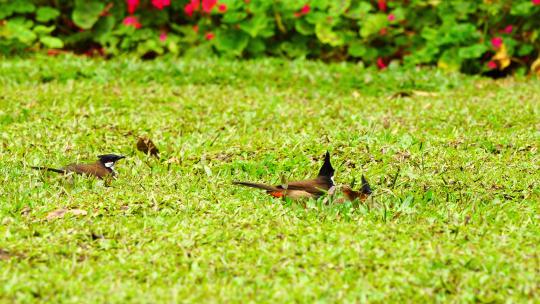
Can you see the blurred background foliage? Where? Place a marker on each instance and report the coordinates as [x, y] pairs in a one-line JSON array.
[[487, 36]]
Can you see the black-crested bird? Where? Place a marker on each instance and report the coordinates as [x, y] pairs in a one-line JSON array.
[[311, 188], [100, 169], [361, 195]]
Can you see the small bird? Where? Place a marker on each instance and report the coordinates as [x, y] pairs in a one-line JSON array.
[[100, 169], [147, 146], [362, 195], [312, 188]]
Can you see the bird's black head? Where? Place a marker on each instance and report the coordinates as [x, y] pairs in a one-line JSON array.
[[326, 169], [110, 159], [366, 189]]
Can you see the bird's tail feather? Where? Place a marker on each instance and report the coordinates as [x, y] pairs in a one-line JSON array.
[[49, 169], [258, 186]]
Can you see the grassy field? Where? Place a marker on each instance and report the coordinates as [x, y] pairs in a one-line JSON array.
[[453, 162]]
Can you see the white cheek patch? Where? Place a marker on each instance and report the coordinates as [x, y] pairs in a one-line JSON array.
[[109, 165], [332, 179]]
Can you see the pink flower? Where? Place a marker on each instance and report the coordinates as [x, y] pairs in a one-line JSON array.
[[535, 2], [210, 36], [492, 65], [391, 17], [160, 4], [132, 6], [382, 5], [191, 7], [508, 29], [132, 21], [381, 64], [496, 42], [208, 5], [222, 8], [163, 36], [303, 11]]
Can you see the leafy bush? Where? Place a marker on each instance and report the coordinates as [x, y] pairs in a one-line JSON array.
[[471, 36]]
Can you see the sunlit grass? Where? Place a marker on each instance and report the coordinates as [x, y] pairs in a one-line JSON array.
[[454, 167]]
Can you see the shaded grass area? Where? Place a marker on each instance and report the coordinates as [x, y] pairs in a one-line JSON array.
[[454, 167]]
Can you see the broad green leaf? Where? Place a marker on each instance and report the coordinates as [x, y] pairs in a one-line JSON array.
[[359, 10], [22, 6], [357, 49], [234, 17], [86, 13], [231, 41], [43, 30], [51, 42], [46, 13], [338, 7], [17, 31], [372, 24], [256, 46], [303, 27], [326, 35], [104, 28], [254, 25], [473, 51]]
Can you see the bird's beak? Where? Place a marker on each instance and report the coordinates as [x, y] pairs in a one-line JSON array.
[[121, 156]]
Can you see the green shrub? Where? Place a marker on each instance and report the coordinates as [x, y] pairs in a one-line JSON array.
[[471, 36]]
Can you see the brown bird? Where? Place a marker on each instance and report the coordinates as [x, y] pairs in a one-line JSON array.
[[100, 169], [312, 188], [362, 195], [147, 146]]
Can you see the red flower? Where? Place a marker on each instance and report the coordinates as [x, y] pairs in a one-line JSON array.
[[191, 7], [382, 5], [132, 6], [508, 29], [381, 64], [496, 42], [196, 28], [208, 5], [160, 4], [132, 21], [535, 2], [492, 65], [303, 11], [163, 36], [383, 31], [391, 17], [210, 36], [222, 8]]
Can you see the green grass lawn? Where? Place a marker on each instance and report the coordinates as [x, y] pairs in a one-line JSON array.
[[454, 167]]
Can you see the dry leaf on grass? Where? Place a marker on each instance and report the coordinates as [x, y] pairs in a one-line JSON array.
[[147, 146], [61, 212]]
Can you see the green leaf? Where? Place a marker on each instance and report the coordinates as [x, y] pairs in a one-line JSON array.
[[338, 7], [86, 13], [303, 27], [18, 31], [359, 11], [51, 42], [43, 30], [254, 25], [104, 28], [22, 6], [373, 24], [46, 13], [231, 41], [233, 17], [326, 35], [357, 49], [473, 51]]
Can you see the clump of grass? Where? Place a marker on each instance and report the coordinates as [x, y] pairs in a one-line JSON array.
[[454, 168]]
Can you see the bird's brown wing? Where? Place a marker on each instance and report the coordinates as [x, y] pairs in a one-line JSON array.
[[317, 186], [96, 169]]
